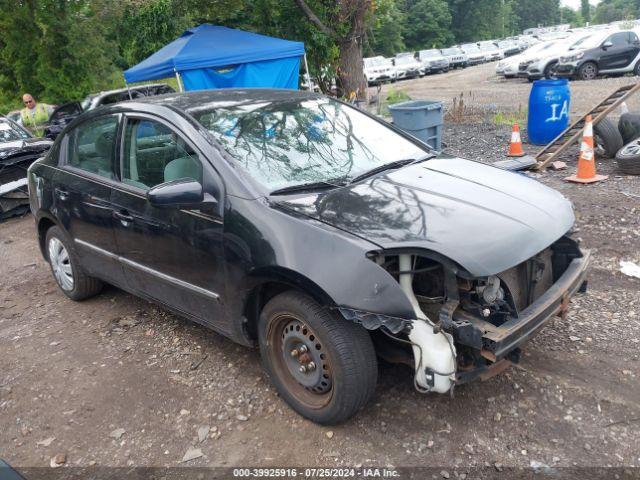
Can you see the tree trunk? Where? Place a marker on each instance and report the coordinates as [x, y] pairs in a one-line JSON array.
[[350, 70]]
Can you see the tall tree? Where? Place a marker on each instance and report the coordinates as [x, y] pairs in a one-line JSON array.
[[541, 12], [428, 24], [611, 10], [385, 32], [475, 20], [345, 22], [585, 10]]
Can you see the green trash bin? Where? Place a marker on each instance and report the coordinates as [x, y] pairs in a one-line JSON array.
[[421, 118]]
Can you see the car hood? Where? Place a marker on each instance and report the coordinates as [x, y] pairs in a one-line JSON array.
[[22, 147], [484, 218]]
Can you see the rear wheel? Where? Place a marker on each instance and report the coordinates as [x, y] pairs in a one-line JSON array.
[[588, 71], [66, 268], [322, 365]]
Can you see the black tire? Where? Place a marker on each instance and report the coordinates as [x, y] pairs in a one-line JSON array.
[[550, 71], [628, 158], [636, 69], [607, 138], [342, 352], [588, 71], [82, 285], [629, 126]]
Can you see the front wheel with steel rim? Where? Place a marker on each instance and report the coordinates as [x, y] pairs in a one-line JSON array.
[[323, 365], [66, 269], [628, 158], [588, 71]]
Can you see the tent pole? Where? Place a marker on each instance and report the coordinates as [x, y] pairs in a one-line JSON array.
[[129, 91], [179, 81], [306, 68]]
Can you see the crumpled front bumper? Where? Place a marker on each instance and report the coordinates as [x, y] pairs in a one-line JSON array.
[[500, 344]]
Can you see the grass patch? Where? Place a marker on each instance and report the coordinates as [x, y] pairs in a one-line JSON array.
[[393, 96], [509, 118]]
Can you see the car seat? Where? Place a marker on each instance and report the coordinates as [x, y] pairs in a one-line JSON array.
[[183, 167]]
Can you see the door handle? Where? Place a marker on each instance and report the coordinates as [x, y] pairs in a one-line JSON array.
[[124, 217], [61, 193]]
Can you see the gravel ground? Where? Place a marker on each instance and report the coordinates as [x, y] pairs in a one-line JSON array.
[[116, 381], [482, 89]]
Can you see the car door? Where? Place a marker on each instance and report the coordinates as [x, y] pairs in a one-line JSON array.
[[616, 54], [169, 254], [82, 194]]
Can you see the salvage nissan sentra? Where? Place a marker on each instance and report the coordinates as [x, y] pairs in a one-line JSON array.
[[297, 223]]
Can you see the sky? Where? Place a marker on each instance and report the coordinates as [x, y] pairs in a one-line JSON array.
[[575, 4]]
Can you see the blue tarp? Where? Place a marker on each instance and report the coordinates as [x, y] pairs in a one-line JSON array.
[[210, 56]]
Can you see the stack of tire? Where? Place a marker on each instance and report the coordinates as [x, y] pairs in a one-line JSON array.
[[628, 157]]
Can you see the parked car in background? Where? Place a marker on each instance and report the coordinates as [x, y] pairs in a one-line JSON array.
[[433, 61], [473, 53], [509, 67], [14, 115], [508, 47], [604, 53], [378, 70], [407, 66], [65, 113], [356, 242], [18, 150], [491, 51], [544, 63], [456, 57]]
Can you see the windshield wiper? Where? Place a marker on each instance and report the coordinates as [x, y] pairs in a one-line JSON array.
[[304, 187], [390, 166]]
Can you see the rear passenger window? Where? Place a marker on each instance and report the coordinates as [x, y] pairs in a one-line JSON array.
[[92, 147], [154, 154]]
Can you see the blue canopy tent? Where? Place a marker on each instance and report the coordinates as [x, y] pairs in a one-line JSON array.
[[210, 56]]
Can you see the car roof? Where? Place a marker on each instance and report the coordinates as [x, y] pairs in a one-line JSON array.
[[193, 101], [131, 87]]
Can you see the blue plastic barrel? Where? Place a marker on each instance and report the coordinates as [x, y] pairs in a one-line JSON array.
[[549, 104], [421, 118]]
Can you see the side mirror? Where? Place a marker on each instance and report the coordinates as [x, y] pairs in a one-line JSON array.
[[607, 45], [181, 193]]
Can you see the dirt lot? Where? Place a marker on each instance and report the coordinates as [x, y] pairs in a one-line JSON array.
[[116, 381], [480, 87]]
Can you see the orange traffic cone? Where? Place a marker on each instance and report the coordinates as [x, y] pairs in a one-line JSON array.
[[515, 147], [587, 161]]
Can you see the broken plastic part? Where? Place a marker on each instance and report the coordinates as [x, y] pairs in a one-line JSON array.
[[433, 349], [373, 321]]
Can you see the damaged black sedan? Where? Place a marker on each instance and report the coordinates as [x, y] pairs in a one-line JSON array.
[[18, 150], [297, 223]]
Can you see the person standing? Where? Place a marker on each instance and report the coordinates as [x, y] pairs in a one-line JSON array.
[[34, 115]]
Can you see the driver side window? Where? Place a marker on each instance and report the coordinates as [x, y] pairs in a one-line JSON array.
[[619, 39], [154, 154]]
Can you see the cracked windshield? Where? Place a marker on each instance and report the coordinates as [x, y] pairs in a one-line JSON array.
[[295, 142]]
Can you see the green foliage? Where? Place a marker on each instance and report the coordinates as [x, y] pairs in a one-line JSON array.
[[510, 118], [530, 14], [613, 10], [585, 10], [61, 50], [571, 16], [385, 37], [428, 24], [393, 96], [475, 20], [145, 28]]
